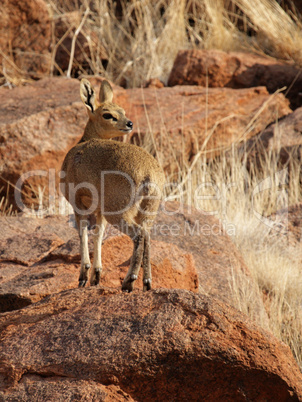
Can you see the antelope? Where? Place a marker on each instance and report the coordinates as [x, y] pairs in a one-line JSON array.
[[119, 183]]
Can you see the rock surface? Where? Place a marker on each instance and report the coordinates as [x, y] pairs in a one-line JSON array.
[[205, 237], [170, 345], [56, 389], [215, 68], [25, 38], [28, 249], [184, 120], [172, 267]]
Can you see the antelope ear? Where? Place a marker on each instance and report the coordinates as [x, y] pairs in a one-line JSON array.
[[106, 93], [87, 95]]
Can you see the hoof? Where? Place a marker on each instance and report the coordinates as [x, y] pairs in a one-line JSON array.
[[147, 284], [95, 278], [82, 283], [127, 285]]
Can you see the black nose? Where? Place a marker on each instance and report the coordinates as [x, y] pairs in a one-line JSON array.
[[129, 124]]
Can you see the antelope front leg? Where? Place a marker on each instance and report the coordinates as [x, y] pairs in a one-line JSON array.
[[85, 260], [97, 255]]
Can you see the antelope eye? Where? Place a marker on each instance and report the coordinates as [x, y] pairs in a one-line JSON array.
[[108, 116]]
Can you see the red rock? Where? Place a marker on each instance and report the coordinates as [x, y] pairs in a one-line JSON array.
[[215, 68], [35, 388], [40, 96], [28, 249], [218, 261], [25, 38], [159, 345], [28, 241], [171, 267], [184, 120], [62, 226], [38, 124], [20, 286]]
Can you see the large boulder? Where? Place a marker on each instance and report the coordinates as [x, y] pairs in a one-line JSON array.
[[177, 123], [25, 39], [208, 239], [215, 68], [170, 345]]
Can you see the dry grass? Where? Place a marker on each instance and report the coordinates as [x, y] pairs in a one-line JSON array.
[[142, 38]]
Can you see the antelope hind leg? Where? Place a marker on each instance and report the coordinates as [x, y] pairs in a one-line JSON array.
[[137, 235], [147, 278]]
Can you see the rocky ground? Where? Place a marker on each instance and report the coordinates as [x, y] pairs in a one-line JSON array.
[[184, 340], [173, 345]]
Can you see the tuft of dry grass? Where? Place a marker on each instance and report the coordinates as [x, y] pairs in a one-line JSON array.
[[277, 33]]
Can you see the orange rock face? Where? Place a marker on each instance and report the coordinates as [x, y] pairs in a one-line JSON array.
[[186, 119], [25, 37], [217, 69], [171, 267], [160, 345]]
